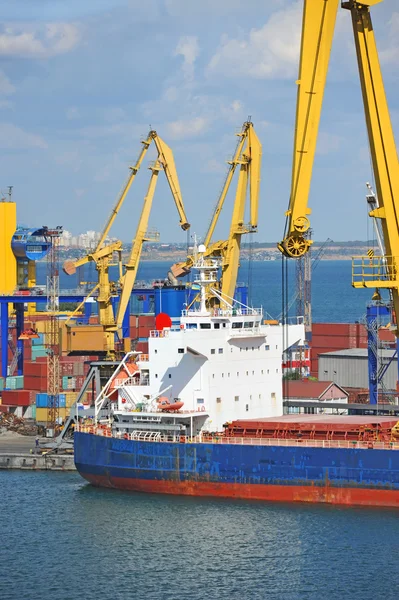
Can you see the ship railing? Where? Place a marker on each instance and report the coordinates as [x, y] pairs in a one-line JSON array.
[[105, 430], [132, 381], [229, 312], [356, 444]]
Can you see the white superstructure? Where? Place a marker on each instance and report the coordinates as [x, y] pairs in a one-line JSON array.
[[225, 363]]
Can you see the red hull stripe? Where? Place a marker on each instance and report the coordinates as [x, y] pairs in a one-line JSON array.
[[273, 493]]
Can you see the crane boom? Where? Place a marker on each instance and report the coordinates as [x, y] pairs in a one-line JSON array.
[[381, 272], [248, 156], [317, 33], [121, 198], [103, 254], [142, 236], [249, 172], [165, 156], [233, 164]]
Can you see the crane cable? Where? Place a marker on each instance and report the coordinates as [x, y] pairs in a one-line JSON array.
[[284, 320]]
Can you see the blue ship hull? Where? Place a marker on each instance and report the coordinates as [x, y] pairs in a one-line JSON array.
[[277, 473]]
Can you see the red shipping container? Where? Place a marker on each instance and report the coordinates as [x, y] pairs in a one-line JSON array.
[[66, 368], [142, 347], [133, 332], [35, 383], [35, 369], [147, 321], [133, 321], [27, 351], [18, 397], [79, 381], [144, 332]]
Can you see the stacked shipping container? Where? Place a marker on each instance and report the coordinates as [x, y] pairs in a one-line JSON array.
[[327, 337]]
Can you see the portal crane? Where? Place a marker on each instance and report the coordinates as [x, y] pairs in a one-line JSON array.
[[248, 155], [317, 32], [104, 254]]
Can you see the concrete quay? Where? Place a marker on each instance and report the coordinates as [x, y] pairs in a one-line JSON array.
[[19, 452], [37, 462]]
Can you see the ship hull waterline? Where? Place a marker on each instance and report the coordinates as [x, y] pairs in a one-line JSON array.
[[270, 473]]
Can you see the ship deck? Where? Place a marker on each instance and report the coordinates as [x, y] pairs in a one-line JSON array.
[[247, 441]]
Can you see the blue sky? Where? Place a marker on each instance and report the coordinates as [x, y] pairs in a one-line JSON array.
[[81, 82]]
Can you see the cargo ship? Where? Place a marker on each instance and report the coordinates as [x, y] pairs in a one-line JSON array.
[[201, 415]]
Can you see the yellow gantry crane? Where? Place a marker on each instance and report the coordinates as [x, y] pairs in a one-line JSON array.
[[104, 254], [248, 156], [317, 33]]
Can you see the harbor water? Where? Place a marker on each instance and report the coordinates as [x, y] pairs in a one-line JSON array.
[[334, 300], [64, 539]]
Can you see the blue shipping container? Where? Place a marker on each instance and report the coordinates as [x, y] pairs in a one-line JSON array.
[[42, 400], [39, 341]]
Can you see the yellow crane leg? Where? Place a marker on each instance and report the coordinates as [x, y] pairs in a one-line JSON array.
[[231, 261], [131, 267], [317, 33], [255, 153], [381, 139]]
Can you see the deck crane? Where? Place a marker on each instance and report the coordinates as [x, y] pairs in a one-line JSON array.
[[317, 32], [104, 253], [247, 156]]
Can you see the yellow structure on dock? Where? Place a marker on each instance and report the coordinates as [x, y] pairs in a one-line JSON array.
[[8, 262]]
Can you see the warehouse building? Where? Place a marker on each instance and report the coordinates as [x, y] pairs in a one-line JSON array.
[[349, 368]]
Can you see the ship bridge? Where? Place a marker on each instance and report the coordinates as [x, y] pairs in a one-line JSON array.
[[30, 244]]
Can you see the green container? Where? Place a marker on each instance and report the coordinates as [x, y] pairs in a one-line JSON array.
[[1, 384], [38, 352], [19, 382], [15, 383]]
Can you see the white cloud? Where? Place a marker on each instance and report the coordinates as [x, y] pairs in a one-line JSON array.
[[186, 128], [15, 138], [269, 52], [390, 54], [38, 42], [188, 47]]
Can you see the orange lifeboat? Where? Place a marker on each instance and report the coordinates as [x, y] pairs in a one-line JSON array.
[[120, 377], [166, 405]]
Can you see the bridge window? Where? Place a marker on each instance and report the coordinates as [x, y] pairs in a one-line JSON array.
[[218, 400], [180, 350], [220, 350], [216, 325], [213, 350], [267, 347], [236, 325], [236, 398], [205, 325]]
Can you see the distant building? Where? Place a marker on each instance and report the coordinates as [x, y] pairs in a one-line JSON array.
[[315, 391]]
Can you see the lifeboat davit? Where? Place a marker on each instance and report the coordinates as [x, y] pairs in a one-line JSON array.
[[166, 405]]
